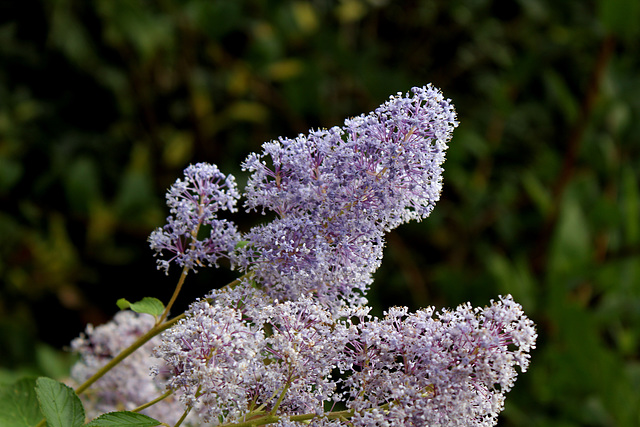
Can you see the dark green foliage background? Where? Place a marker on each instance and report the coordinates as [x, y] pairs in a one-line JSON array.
[[104, 102]]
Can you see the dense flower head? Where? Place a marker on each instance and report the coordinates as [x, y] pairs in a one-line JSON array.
[[291, 343], [242, 359], [447, 368], [129, 384], [451, 368], [383, 167], [337, 191], [304, 347], [213, 353], [294, 256], [194, 203]]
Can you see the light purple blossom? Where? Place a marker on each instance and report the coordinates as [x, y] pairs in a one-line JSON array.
[[213, 354], [229, 362], [194, 203], [294, 256], [383, 167], [337, 191], [315, 422], [306, 343], [130, 383], [448, 368], [273, 343], [451, 368]]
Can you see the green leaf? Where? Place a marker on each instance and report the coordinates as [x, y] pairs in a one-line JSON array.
[[123, 419], [19, 404], [561, 94], [539, 194], [123, 304], [52, 362], [59, 403], [148, 305]]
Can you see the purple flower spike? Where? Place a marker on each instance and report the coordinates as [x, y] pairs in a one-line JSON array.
[[451, 368], [194, 203], [337, 191], [383, 167], [394, 156]]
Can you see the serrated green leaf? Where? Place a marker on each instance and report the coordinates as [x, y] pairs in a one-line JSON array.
[[19, 404], [59, 403], [148, 305], [123, 419], [123, 304]]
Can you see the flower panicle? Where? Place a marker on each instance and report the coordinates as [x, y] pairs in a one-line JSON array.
[[443, 368], [293, 336], [194, 204], [337, 191]]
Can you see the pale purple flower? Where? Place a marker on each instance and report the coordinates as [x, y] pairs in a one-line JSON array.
[[337, 191], [228, 361], [451, 368], [447, 368], [314, 422], [306, 343], [130, 383], [383, 167], [294, 256], [213, 353], [194, 203], [292, 338]]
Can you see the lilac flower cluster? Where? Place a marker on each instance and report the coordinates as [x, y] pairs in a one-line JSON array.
[[129, 384], [193, 203], [291, 341], [451, 368], [438, 369], [337, 191], [383, 167], [247, 359], [213, 355]]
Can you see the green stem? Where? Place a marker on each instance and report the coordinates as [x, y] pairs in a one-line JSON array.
[[183, 276], [183, 417], [281, 398], [127, 351], [142, 340], [258, 421], [272, 418], [153, 402], [185, 271]]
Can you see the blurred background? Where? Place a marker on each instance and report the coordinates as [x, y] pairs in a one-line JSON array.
[[104, 102]]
